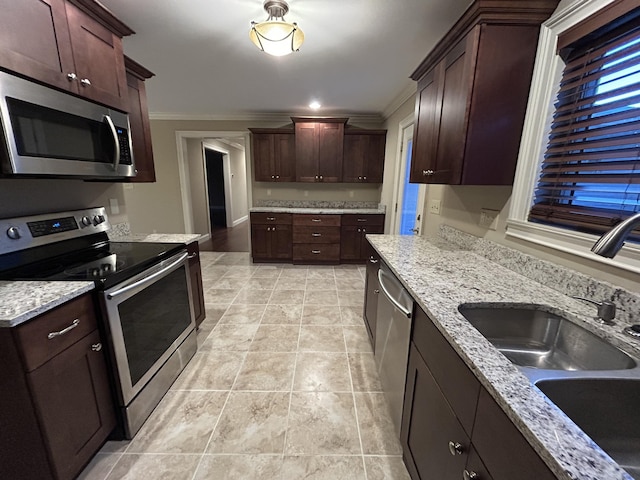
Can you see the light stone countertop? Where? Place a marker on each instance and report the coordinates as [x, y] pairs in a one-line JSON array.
[[318, 211], [157, 237], [23, 300], [440, 276]]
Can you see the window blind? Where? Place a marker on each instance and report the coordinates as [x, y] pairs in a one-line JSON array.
[[590, 175]]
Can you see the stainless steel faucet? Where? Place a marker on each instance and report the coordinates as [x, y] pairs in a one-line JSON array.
[[612, 241]]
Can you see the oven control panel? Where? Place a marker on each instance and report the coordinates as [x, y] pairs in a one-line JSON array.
[[36, 230]]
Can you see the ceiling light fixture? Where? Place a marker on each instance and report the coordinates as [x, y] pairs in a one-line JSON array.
[[275, 36], [315, 105]]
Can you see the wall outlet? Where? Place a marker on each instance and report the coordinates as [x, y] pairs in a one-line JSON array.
[[268, 192], [351, 193], [113, 204], [434, 206], [127, 186], [489, 218], [306, 193]]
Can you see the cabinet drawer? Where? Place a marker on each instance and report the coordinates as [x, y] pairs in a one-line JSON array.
[[368, 219], [320, 253], [308, 234], [455, 379], [271, 218], [326, 220], [33, 336]]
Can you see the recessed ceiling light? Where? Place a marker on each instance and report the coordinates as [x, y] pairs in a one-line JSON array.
[[315, 105]]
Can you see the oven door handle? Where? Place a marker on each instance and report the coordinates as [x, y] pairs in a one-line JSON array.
[[116, 142], [151, 278]]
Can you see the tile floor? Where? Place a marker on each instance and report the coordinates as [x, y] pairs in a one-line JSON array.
[[283, 386]]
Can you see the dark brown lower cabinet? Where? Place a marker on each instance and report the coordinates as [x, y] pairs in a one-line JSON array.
[[354, 247], [372, 290], [57, 408], [451, 425], [270, 243], [195, 271]]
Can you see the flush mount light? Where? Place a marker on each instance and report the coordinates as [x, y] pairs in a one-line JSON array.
[[315, 105], [275, 36]]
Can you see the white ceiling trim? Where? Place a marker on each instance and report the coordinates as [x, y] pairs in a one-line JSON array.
[[399, 100]]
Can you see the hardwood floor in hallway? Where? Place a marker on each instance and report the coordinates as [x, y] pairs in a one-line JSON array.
[[233, 239]]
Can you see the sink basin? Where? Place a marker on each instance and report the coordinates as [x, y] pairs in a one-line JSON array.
[[531, 337], [606, 410]]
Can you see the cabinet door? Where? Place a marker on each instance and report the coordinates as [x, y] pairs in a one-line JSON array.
[[263, 163], [281, 242], [99, 59], [425, 135], [306, 152], [260, 241], [34, 36], [330, 151], [195, 272], [355, 148], [429, 426], [140, 130], [364, 244], [374, 158], [350, 241], [73, 399], [284, 156], [372, 290]]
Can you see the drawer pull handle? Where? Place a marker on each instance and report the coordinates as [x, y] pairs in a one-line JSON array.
[[470, 475], [73, 325], [96, 347], [193, 255], [456, 448], [316, 219], [315, 252], [376, 291], [316, 234], [362, 219], [271, 219]]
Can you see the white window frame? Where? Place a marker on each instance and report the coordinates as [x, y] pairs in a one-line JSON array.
[[544, 89]]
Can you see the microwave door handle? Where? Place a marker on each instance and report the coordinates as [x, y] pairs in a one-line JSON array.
[[116, 142], [173, 266]]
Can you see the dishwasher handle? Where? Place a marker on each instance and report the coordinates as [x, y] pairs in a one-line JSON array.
[[390, 297]]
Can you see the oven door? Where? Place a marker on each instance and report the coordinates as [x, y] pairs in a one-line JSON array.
[[148, 317]]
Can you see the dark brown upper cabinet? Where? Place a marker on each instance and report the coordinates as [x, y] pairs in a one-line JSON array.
[[274, 155], [319, 144], [139, 122], [363, 160], [472, 94], [71, 45]]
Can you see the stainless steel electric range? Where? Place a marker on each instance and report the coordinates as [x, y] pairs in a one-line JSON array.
[[143, 289]]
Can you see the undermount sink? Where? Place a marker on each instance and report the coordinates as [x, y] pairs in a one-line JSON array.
[[532, 337], [606, 410]]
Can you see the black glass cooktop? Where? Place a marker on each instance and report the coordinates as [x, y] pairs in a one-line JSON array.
[[106, 263]]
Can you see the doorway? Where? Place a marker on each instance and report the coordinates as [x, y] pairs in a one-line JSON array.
[[215, 188], [410, 197]]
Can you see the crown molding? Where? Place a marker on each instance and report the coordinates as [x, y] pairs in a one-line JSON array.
[[408, 92], [284, 118]]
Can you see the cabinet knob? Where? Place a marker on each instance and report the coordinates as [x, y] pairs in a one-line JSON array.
[[364, 178], [71, 76], [456, 448], [376, 291], [271, 219], [317, 177], [470, 475], [359, 230], [96, 347], [273, 229], [277, 176], [359, 178], [427, 173], [273, 176], [364, 230], [373, 260], [268, 229], [321, 177], [85, 82]]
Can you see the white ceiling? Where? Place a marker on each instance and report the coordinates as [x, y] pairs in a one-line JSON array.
[[356, 59]]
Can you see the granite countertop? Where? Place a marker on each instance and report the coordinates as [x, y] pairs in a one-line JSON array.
[[23, 300], [156, 237], [440, 276], [318, 211]]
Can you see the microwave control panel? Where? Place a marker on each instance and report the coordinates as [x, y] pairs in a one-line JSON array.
[[125, 147]]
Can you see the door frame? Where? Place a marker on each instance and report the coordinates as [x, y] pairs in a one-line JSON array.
[[226, 173]]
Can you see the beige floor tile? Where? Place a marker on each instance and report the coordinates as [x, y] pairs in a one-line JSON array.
[[266, 371], [251, 422], [243, 314], [364, 374], [345, 272], [287, 297], [252, 296], [240, 271], [376, 429], [350, 283], [322, 372], [239, 467], [214, 272], [276, 338], [282, 314], [323, 468], [321, 272], [314, 338], [357, 339], [322, 423], [268, 271], [286, 283], [321, 284], [230, 337], [220, 295], [294, 272], [181, 423], [213, 313], [155, 467], [210, 371], [352, 315], [100, 466], [321, 297], [230, 283], [353, 298], [321, 315], [115, 446], [386, 468], [261, 283]]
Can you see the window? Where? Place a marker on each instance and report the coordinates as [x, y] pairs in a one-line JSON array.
[[590, 175]]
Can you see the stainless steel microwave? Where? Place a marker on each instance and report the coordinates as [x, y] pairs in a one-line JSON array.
[[50, 133]]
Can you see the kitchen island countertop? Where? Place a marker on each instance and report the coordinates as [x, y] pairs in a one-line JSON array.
[[440, 276]]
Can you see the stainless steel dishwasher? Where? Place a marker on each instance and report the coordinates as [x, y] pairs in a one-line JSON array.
[[393, 330]]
